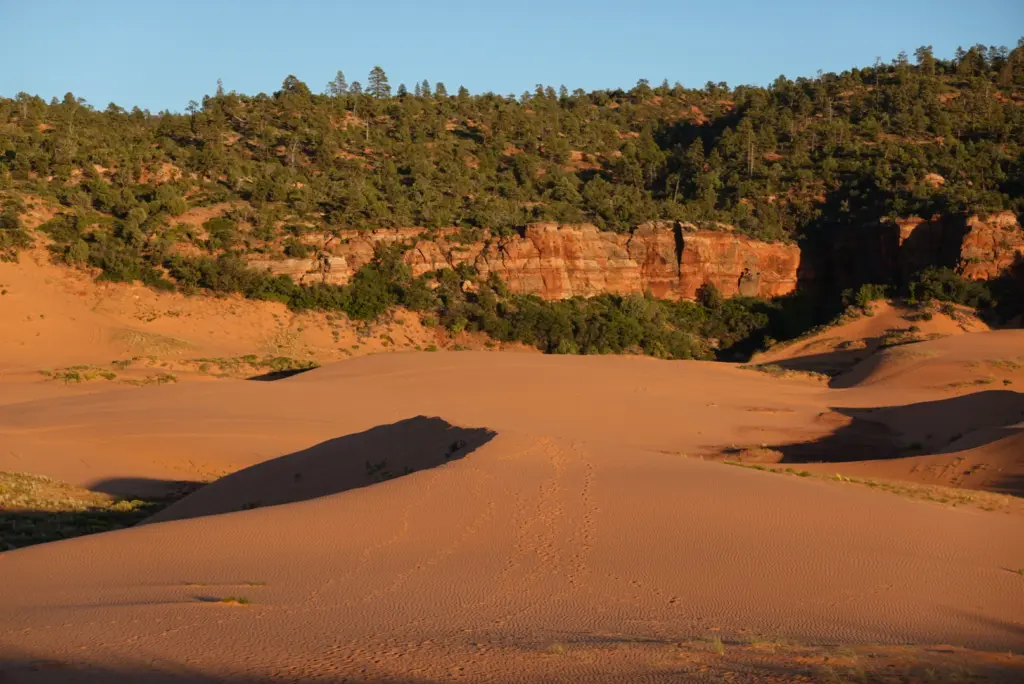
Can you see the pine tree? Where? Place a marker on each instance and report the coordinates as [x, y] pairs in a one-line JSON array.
[[440, 91], [220, 88], [402, 91], [356, 88], [425, 88], [925, 59], [338, 86], [378, 85]]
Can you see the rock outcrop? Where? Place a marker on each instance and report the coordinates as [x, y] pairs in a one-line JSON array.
[[674, 260], [991, 246], [670, 260], [975, 247]]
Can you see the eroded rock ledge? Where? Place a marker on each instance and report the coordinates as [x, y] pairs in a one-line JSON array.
[[669, 259]]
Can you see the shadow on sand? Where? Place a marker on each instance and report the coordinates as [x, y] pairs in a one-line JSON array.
[[337, 465], [45, 671], [944, 425], [696, 662]]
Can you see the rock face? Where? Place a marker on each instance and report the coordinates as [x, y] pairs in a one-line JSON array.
[[669, 260], [737, 265], [992, 246], [975, 247], [673, 260]]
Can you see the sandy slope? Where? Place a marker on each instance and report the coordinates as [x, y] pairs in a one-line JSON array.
[[196, 429], [492, 517], [562, 510], [964, 363], [840, 347], [482, 563], [54, 317], [947, 411]]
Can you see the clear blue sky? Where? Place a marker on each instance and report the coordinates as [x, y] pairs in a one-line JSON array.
[[160, 55]]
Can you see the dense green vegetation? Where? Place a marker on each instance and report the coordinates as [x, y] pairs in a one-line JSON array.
[[799, 160]]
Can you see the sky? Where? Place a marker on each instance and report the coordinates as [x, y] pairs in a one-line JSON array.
[[159, 55]]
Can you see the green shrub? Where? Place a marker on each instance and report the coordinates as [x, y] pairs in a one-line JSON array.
[[946, 285]]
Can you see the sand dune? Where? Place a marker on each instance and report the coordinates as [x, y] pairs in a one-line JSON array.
[[840, 347], [196, 430], [964, 363], [418, 517], [482, 563], [413, 517], [54, 317], [996, 465]]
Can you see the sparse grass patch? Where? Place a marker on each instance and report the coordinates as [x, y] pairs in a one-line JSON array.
[[158, 379], [900, 337], [250, 364], [1006, 364], [235, 600], [78, 374], [753, 454], [778, 371], [971, 383], [36, 509], [986, 501]]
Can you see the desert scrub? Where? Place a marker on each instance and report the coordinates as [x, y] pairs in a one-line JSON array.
[[953, 496], [896, 338], [235, 600], [778, 371], [36, 509], [77, 374], [241, 365]]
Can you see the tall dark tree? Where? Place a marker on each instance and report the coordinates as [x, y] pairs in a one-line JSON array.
[[294, 86], [925, 59], [337, 86], [377, 84]]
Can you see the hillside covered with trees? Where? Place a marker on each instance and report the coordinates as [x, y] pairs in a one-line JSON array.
[[799, 160]]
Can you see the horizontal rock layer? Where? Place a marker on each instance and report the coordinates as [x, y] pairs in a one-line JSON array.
[[674, 260], [669, 260]]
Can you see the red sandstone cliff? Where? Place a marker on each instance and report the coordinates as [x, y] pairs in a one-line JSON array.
[[670, 260]]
